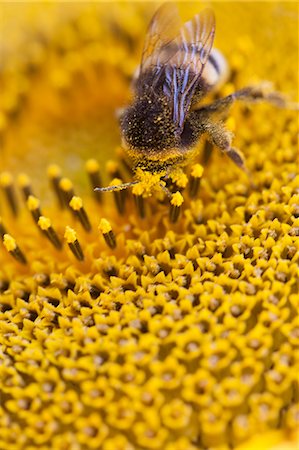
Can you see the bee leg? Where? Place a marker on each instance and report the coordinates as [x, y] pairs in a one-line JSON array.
[[222, 138], [237, 157], [261, 92], [257, 93]]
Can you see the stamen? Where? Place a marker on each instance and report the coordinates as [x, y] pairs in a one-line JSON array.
[[165, 189], [108, 234], [125, 162], [119, 195], [67, 190], [179, 179], [33, 205], [6, 181], [138, 194], [2, 229], [3, 127], [71, 238], [175, 208], [13, 248], [76, 205], [113, 169], [54, 173], [140, 206], [45, 225], [195, 178], [92, 168], [25, 185]]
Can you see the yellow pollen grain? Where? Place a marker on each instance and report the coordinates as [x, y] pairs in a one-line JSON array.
[[197, 171], [105, 226], [70, 235], [33, 203], [5, 179], [177, 199], [66, 184], [76, 203], [54, 171], [92, 166], [9, 243], [44, 223]]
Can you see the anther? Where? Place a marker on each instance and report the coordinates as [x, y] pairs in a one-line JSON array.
[[92, 168], [139, 200], [25, 185], [125, 162], [45, 225], [76, 205], [179, 179], [175, 207], [67, 190], [119, 195], [13, 248], [2, 229], [54, 174], [108, 234], [70, 236], [6, 182], [33, 205], [195, 178], [113, 169], [140, 206]]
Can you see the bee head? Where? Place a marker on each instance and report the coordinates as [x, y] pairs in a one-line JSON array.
[[147, 125]]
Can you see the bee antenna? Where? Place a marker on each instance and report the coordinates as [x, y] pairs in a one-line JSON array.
[[116, 187]]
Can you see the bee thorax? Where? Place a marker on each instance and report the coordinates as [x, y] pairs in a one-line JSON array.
[[148, 125]]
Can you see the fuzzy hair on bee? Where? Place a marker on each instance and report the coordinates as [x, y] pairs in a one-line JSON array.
[[179, 67]]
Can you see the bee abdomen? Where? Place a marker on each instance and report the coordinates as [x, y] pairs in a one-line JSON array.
[[216, 69]]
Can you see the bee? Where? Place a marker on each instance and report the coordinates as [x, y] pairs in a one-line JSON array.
[[179, 67]]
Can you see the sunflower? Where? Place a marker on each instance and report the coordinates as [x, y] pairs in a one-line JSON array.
[[135, 322]]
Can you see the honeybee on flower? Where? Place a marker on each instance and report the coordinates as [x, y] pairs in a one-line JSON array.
[[162, 126]]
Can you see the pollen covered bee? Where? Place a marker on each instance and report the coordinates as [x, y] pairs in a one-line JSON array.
[[162, 126]]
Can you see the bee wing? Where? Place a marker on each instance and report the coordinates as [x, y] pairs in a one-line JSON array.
[[158, 47], [185, 67], [175, 56]]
